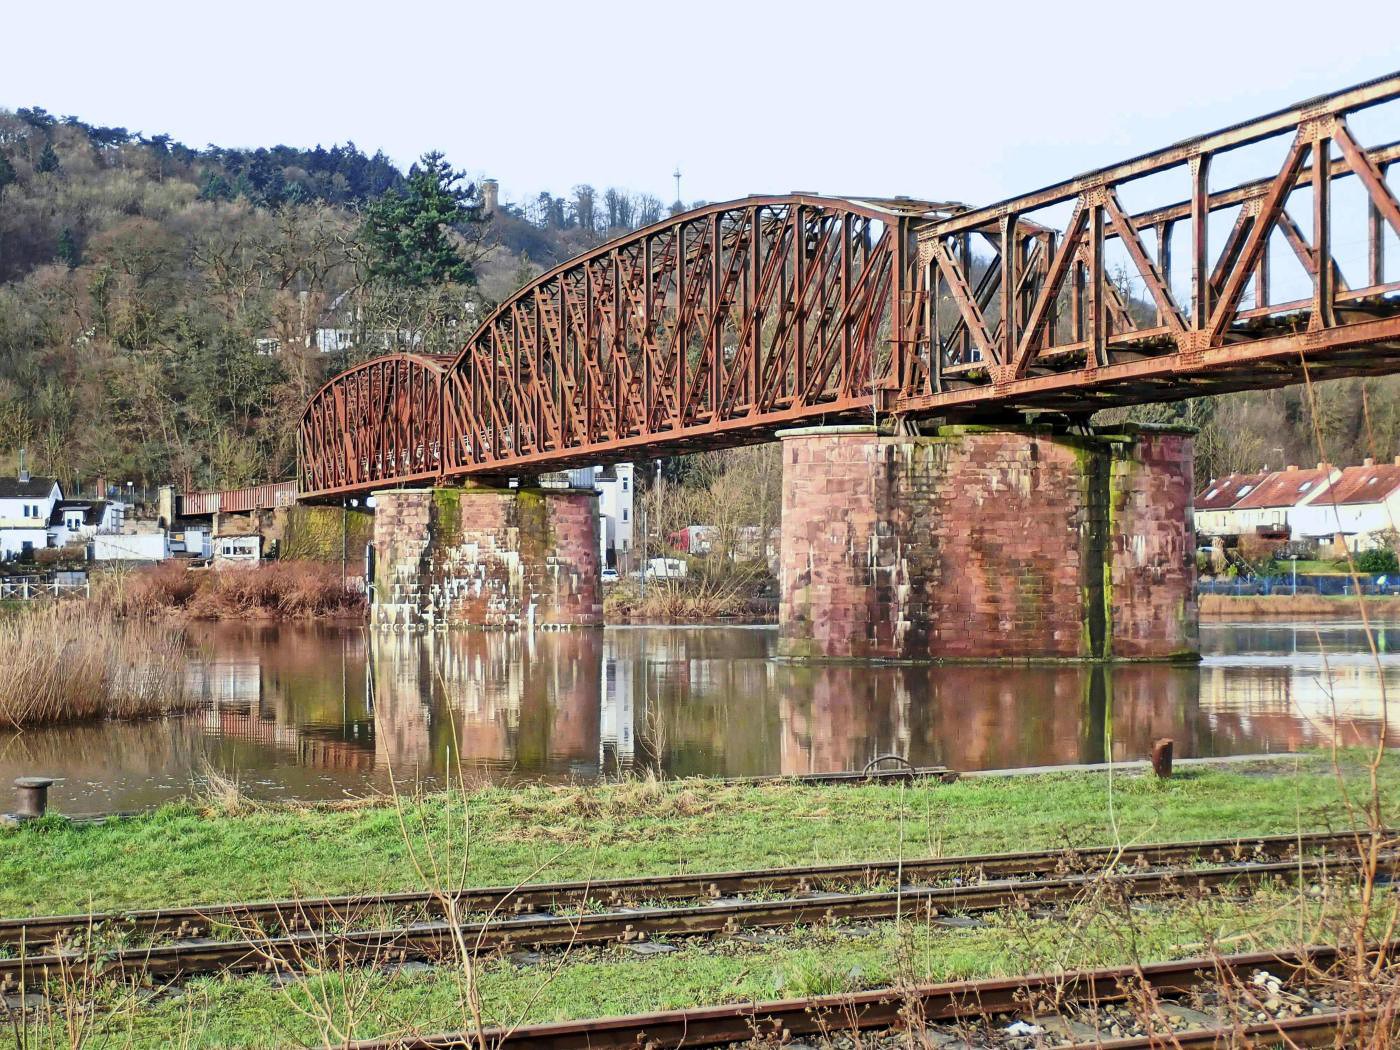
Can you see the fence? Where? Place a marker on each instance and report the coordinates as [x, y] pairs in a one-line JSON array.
[[1332, 585], [30, 588]]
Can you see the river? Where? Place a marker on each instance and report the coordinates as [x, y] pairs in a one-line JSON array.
[[314, 713]]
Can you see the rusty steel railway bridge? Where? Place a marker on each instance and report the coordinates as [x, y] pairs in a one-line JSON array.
[[721, 325]]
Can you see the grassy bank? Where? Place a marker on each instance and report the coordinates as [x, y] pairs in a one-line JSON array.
[[1265, 606], [66, 662], [184, 854], [180, 855]]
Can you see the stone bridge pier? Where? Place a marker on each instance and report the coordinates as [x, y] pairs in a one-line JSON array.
[[486, 557], [981, 542]]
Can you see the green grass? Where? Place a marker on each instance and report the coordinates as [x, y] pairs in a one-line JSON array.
[[180, 855], [325, 1009]]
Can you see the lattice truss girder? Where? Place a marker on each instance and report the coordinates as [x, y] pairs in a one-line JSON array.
[[724, 324]]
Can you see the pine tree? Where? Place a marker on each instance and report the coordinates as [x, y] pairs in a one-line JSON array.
[[68, 249], [7, 173], [408, 230], [48, 159]]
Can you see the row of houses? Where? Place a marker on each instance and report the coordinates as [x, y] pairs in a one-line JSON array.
[[1353, 507], [34, 515]]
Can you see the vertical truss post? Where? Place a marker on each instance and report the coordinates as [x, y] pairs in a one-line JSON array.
[[1324, 279], [1200, 240]]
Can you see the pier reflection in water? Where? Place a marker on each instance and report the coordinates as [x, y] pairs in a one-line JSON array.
[[302, 712]]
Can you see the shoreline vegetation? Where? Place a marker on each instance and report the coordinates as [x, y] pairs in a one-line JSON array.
[[123, 653], [275, 590], [1266, 606], [225, 845], [62, 663]]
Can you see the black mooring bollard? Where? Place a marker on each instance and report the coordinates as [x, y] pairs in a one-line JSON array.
[[31, 797]]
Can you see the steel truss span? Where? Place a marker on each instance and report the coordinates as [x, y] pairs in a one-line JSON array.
[[724, 324]]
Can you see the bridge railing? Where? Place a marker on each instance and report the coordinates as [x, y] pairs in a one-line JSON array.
[[1068, 297]]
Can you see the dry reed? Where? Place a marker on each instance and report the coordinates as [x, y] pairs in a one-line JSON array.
[[65, 662], [273, 590]]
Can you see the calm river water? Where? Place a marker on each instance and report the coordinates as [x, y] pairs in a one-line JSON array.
[[316, 713]]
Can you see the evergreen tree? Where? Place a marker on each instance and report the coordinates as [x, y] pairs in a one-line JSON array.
[[215, 187], [48, 159], [7, 173], [68, 249], [407, 230]]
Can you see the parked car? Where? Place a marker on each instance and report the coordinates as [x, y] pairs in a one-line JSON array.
[[610, 576]]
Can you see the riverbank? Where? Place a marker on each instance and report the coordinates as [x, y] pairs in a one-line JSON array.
[[1297, 606], [185, 854], [234, 849]]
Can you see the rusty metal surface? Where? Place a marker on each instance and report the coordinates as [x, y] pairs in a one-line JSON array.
[[722, 325], [433, 940], [779, 1021], [316, 912], [237, 501]]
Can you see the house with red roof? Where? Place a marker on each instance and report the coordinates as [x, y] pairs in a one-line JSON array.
[[1271, 506], [1214, 504], [1260, 504], [1361, 508]]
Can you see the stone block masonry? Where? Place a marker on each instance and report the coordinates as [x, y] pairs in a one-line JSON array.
[[486, 557], [987, 543]]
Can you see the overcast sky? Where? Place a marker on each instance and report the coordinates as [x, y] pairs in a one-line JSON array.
[[969, 101]]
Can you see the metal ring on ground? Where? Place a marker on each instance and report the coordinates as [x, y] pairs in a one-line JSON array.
[[870, 766]]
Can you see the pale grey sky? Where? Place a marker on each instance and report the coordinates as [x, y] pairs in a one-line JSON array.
[[970, 101]]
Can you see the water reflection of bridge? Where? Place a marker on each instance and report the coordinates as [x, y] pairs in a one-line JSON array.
[[682, 701]]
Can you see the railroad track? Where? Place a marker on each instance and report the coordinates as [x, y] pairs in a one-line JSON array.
[[313, 913], [953, 1011], [437, 940]]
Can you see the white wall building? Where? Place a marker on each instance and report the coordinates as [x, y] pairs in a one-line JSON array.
[[79, 520], [26, 505], [1362, 508], [1275, 502], [130, 546], [615, 486]]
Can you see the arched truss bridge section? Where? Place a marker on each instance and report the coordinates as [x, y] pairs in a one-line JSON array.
[[1253, 256]]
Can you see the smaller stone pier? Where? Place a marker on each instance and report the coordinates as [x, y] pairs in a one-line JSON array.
[[486, 557]]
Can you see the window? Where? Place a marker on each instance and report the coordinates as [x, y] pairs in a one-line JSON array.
[[624, 484], [1244, 490], [624, 513], [1305, 486]]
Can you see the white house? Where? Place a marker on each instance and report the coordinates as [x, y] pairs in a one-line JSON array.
[[615, 507], [79, 520], [1214, 509], [26, 505], [1274, 503], [1361, 508], [130, 546], [237, 550]]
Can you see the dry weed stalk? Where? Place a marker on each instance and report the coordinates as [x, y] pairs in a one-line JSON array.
[[64, 664]]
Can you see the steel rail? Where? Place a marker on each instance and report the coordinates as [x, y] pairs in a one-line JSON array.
[[295, 914], [318, 950], [1319, 1030], [780, 1020]]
